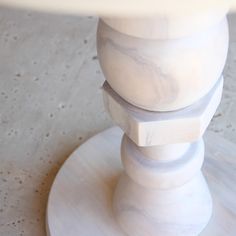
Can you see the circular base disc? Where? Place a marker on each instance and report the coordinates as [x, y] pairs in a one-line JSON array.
[[80, 201]]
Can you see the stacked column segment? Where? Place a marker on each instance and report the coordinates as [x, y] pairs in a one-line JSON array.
[[162, 91]]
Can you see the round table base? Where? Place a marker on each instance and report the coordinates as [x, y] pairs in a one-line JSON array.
[[80, 201]]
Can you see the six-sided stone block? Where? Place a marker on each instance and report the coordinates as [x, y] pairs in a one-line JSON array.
[[148, 128]]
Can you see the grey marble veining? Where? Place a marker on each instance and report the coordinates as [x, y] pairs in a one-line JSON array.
[[50, 102]]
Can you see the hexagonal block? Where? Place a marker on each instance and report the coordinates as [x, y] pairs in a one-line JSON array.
[[148, 128]]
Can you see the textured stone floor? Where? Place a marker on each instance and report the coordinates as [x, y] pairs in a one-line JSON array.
[[50, 102]]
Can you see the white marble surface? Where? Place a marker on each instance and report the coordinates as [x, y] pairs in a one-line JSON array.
[[173, 73], [92, 205], [182, 77], [147, 128], [161, 174], [124, 7], [41, 125], [163, 27]]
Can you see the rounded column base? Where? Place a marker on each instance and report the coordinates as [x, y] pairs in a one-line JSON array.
[[80, 200], [184, 210]]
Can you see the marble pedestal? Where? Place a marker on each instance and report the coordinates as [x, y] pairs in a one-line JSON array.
[[80, 201], [162, 89]]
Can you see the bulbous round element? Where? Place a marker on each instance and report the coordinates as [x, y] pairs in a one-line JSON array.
[[161, 174], [179, 211], [168, 26], [162, 75]]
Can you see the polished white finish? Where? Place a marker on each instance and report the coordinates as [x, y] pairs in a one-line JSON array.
[[124, 7], [141, 211], [166, 174], [162, 91], [166, 26], [80, 201], [157, 128], [168, 152], [162, 72], [162, 75]]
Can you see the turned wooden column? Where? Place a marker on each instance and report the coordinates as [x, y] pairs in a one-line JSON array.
[[163, 86]]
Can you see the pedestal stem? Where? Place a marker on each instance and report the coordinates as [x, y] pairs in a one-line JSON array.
[[163, 93]]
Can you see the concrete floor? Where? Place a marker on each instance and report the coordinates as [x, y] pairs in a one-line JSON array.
[[50, 102]]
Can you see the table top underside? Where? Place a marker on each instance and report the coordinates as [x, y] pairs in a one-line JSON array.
[[141, 8]]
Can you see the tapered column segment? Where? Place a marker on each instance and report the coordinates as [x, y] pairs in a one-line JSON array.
[[163, 93]]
